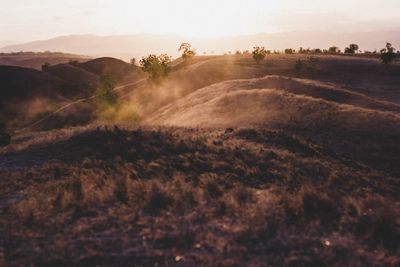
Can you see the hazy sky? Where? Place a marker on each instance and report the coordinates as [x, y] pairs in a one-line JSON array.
[[23, 20]]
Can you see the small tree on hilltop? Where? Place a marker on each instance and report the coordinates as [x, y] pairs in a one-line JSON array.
[[289, 51], [334, 50], [187, 51], [133, 62], [259, 53], [156, 66], [352, 49], [388, 54]]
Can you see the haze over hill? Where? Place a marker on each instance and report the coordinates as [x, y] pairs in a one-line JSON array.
[[127, 46]]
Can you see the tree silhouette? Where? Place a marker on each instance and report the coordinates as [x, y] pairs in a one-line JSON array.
[[259, 53], [334, 50], [388, 54], [133, 62], [352, 49], [157, 66], [289, 51], [187, 51]]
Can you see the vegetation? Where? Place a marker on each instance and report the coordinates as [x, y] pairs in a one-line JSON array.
[[105, 90], [310, 65], [334, 50], [156, 66], [152, 193], [290, 51], [259, 53], [46, 66], [298, 66], [352, 49], [387, 54], [5, 138], [187, 51], [133, 62]]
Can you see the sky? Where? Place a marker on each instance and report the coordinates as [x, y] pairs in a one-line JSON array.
[[27, 20]]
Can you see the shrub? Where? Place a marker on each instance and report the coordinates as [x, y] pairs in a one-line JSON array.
[[289, 51], [388, 54], [259, 53], [187, 51], [157, 66], [312, 64], [133, 62], [334, 50], [298, 66], [352, 49], [106, 90]]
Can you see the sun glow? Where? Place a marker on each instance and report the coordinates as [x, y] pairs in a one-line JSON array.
[[206, 18]]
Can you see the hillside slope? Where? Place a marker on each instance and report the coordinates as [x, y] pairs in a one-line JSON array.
[[166, 196], [36, 60]]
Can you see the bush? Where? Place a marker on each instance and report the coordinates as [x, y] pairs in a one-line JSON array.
[[259, 53], [289, 51], [298, 66], [157, 66], [106, 90], [133, 62], [352, 49], [388, 54], [334, 50], [187, 51]]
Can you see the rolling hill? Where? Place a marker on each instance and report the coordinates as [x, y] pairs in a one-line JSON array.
[[232, 164], [36, 60]]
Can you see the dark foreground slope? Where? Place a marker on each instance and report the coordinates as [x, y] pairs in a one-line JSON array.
[[195, 197]]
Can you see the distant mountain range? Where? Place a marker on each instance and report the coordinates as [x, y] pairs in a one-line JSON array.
[[127, 46]]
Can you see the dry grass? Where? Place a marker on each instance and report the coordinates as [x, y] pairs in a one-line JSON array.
[[166, 196]]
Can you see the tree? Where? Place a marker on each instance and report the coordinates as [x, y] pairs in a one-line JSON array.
[[259, 53], [5, 138], [133, 62], [352, 49], [46, 66], [289, 51], [388, 54], [334, 50], [106, 90], [157, 66], [187, 51], [316, 51]]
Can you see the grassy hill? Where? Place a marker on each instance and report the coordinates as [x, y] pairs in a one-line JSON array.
[[231, 164]]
